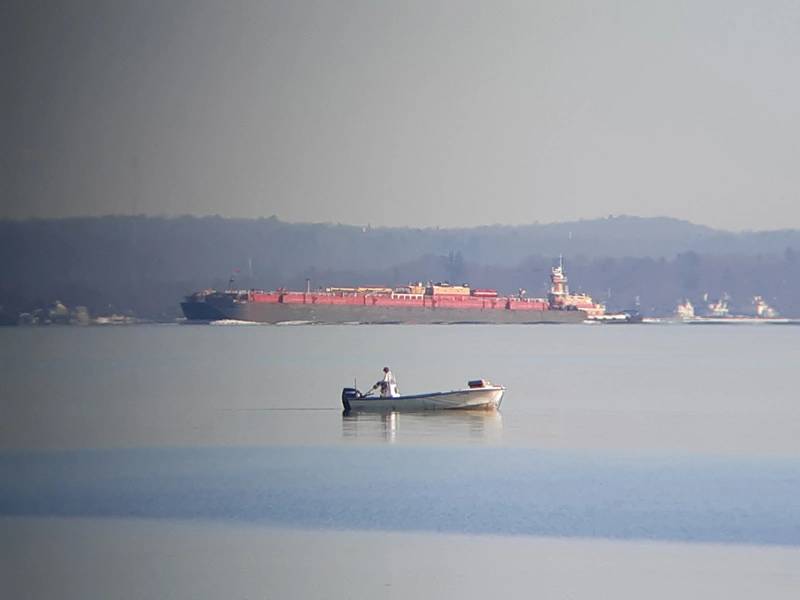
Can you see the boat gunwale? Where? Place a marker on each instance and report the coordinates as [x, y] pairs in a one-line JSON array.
[[494, 388]]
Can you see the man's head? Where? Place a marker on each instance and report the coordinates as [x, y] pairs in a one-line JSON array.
[[385, 369]]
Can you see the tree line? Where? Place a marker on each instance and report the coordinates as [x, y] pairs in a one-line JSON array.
[[145, 265]]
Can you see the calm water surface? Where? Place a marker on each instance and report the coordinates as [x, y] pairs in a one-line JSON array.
[[662, 447]]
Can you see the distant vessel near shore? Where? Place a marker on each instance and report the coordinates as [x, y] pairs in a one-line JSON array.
[[718, 313], [415, 303]]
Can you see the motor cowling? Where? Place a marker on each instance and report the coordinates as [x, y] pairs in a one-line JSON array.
[[349, 394]]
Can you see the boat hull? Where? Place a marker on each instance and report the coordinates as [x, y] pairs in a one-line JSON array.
[[486, 398]]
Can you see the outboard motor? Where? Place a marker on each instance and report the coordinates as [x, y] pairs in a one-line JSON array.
[[347, 395]]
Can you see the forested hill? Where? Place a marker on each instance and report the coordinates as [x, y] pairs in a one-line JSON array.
[[144, 265]]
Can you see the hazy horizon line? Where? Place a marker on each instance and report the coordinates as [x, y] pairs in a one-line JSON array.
[[369, 226]]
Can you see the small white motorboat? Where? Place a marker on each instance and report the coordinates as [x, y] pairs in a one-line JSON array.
[[480, 394]]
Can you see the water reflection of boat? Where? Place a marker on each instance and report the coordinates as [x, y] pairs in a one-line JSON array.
[[479, 395], [456, 426]]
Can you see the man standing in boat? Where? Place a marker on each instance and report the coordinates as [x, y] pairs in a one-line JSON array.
[[388, 385]]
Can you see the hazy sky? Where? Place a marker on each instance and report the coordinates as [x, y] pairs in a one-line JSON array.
[[409, 113]]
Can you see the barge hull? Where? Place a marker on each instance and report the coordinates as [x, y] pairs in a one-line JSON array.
[[203, 312]]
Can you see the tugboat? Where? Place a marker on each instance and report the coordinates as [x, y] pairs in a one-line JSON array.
[[560, 298], [719, 309], [684, 311], [764, 310]]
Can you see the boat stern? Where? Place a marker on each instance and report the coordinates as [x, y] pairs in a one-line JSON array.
[[349, 394]]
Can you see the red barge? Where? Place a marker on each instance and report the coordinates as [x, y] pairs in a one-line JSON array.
[[415, 303]]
